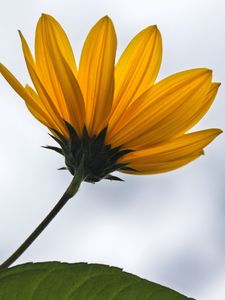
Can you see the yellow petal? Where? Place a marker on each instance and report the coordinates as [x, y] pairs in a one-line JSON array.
[[71, 98], [38, 111], [47, 64], [157, 168], [188, 120], [15, 84], [172, 154], [61, 40], [136, 69], [45, 67], [161, 112], [96, 74], [204, 106], [26, 95], [41, 90]]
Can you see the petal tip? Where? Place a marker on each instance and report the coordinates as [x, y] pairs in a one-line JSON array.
[[206, 73], [209, 72], [46, 18], [219, 131], [203, 70], [216, 132], [20, 34], [217, 84], [106, 19], [157, 31], [44, 15], [1, 67], [152, 29]]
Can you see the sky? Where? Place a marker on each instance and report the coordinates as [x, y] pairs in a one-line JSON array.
[[167, 228]]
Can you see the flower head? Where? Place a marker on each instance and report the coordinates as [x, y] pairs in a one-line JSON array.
[[114, 117]]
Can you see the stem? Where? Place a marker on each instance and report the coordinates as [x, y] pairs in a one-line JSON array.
[[69, 193]]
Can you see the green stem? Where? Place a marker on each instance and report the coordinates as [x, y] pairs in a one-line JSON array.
[[70, 192]]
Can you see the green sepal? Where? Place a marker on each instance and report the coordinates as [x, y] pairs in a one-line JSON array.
[[100, 159], [112, 177], [56, 149]]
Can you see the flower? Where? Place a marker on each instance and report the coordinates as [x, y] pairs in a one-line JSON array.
[[114, 118]]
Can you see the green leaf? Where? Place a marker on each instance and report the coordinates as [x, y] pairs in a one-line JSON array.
[[81, 281]]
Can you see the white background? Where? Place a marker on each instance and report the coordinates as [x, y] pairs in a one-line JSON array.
[[167, 228]]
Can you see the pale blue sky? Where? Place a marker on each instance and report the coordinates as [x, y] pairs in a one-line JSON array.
[[167, 228]]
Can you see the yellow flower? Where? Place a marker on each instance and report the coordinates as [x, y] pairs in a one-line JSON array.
[[116, 118]]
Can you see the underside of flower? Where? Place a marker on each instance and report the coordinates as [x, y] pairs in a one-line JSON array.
[[114, 107], [99, 159]]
